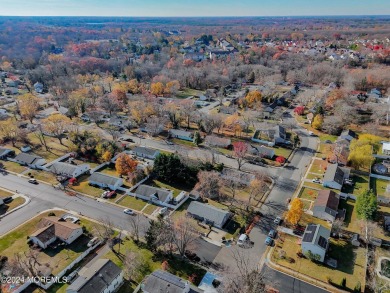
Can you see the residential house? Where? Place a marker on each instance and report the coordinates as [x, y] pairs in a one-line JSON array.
[[25, 148], [326, 205], [316, 240], [386, 148], [215, 141], [145, 152], [103, 276], [119, 121], [375, 93], [156, 195], [69, 170], [270, 108], [334, 177], [209, 214], [263, 151], [105, 181], [278, 134], [181, 134], [52, 228], [38, 87], [348, 135], [31, 161], [4, 153], [163, 281], [195, 56]]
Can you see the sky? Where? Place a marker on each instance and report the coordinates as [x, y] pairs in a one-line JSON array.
[[193, 7]]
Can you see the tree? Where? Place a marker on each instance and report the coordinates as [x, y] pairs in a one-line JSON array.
[[9, 131], [135, 227], [56, 125], [184, 234], [134, 265], [366, 205], [125, 165], [107, 156], [317, 122], [295, 212], [157, 88], [253, 98], [299, 110], [280, 159], [197, 138], [169, 168], [251, 77], [28, 106], [154, 125], [209, 184], [110, 103], [104, 229], [257, 187], [240, 150]]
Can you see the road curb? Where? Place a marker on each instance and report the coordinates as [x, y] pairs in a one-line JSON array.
[[27, 201]]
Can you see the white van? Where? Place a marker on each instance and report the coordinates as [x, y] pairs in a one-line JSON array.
[[243, 239], [93, 241]]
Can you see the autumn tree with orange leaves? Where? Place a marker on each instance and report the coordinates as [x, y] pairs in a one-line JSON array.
[[295, 213], [125, 165]]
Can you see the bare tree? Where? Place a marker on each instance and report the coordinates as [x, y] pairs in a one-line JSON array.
[[104, 230], [113, 131], [134, 227], [337, 227], [257, 187], [183, 234], [154, 125], [209, 184], [133, 265]]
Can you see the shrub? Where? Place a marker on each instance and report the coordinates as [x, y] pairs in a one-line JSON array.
[[280, 159], [343, 282], [358, 288], [329, 279], [51, 214]]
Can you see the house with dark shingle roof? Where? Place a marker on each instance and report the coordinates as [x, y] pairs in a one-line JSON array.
[[104, 180], [145, 152], [326, 205], [52, 228], [103, 276], [69, 170], [209, 214], [4, 152], [334, 177], [156, 195], [316, 240], [163, 281], [31, 161], [348, 135]]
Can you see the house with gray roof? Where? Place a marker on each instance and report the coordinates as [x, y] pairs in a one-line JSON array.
[[5, 152], [315, 241], [103, 276], [348, 135], [144, 152], [69, 170], [31, 161], [326, 205], [278, 134], [334, 177], [181, 134], [155, 195], [209, 214], [263, 151], [105, 181], [163, 281]]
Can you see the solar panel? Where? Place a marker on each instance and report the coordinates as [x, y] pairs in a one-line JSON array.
[[174, 280], [322, 242], [309, 233]]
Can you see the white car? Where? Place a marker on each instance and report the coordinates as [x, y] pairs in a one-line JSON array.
[[104, 194], [163, 211], [242, 240], [316, 180], [128, 212], [278, 220]]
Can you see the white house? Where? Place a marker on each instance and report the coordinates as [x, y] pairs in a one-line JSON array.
[[208, 214], [386, 148], [31, 161], [153, 194], [334, 177], [103, 276], [69, 170], [181, 134], [145, 152], [103, 181], [52, 228], [315, 241]]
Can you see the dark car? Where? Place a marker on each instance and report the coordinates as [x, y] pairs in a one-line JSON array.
[[33, 181], [8, 199], [272, 233]]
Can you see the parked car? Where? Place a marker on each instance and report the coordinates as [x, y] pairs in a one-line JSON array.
[[169, 142], [109, 194], [7, 199], [33, 181], [272, 233], [242, 240], [278, 220], [129, 211], [104, 194], [269, 241], [163, 211], [316, 180], [93, 241]]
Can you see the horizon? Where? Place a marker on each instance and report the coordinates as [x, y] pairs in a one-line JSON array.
[[186, 8]]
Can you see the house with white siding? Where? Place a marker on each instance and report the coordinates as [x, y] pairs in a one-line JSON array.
[[105, 181]]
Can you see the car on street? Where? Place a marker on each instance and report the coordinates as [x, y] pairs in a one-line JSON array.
[[33, 181], [242, 240], [169, 142], [269, 241], [128, 139], [316, 180], [128, 212], [272, 233], [278, 220]]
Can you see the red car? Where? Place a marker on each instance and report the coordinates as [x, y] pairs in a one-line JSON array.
[[109, 194]]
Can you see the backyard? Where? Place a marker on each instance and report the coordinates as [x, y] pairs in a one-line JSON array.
[[379, 186], [361, 184], [351, 261], [176, 187]]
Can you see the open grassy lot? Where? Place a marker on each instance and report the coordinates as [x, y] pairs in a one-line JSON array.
[[58, 258], [13, 167], [43, 176], [308, 193], [360, 186], [55, 148], [351, 261], [188, 92], [132, 203], [83, 187], [379, 186]]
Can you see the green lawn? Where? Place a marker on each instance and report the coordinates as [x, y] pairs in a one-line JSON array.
[[13, 167], [313, 176], [360, 186], [83, 187], [57, 259], [183, 142], [188, 92], [379, 186], [43, 176], [150, 209], [318, 166], [176, 187], [5, 193], [109, 170], [279, 151], [314, 185], [133, 203], [351, 261], [308, 193]]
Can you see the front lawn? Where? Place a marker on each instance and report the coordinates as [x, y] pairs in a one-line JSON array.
[[5, 208], [58, 258], [283, 152], [132, 202], [351, 261], [43, 176], [13, 167], [360, 186], [318, 167], [83, 187], [150, 209], [183, 142], [4, 193]]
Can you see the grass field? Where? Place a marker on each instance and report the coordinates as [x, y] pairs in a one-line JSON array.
[[5, 193], [83, 187], [13, 167], [176, 188], [360, 186], [379, 186], [150, 209], [132, 203], [351, 261], [43, 176], [308, 193], [318, 167], [5, 208]]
